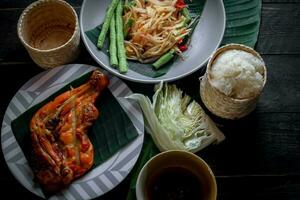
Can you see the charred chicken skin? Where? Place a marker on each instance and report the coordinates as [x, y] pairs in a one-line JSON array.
[[62, 149]]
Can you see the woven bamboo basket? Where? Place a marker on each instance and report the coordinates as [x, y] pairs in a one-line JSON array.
[[218, 103], [49, 30]]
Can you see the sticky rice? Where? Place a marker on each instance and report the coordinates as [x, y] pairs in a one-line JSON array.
[[238, 74]]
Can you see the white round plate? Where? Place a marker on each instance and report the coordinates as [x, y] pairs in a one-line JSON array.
[[99, 180], [206, 38]]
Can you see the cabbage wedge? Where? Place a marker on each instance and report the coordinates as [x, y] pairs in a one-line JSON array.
[[176, 122]]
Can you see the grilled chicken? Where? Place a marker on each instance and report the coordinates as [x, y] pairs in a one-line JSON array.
[[62, 149]]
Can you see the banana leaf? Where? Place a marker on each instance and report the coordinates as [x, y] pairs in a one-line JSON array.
[[242, 21], [148, 151], [109, 133]]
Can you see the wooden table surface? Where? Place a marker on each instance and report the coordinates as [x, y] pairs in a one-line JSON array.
[[260, 158]]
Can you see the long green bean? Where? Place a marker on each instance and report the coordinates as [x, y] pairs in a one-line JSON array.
[[123, 66], [164, 59], [105, 25], [113, 43]]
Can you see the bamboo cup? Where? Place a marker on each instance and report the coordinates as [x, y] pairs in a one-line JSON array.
[[49, 31]]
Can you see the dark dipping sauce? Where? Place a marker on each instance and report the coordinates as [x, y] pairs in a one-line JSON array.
[[173, 183]]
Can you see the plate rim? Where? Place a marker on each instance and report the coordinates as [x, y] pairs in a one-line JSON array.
[[153, 80], [35, 189]]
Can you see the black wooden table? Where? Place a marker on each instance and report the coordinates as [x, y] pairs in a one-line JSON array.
[[260, 158]]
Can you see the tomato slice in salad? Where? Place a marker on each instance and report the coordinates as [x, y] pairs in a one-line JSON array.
[[180, 4]]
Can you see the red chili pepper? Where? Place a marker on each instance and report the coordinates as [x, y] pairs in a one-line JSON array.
[[183, 48], [180, 4]]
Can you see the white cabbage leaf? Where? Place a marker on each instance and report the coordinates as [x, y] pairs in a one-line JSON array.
[[176, 122]]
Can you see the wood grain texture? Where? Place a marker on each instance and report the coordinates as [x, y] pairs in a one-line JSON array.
[[259, 188], [257, 145], [281, 1], [260, 158], [282, 91], [280, 29], [18, 74], [11, 47]]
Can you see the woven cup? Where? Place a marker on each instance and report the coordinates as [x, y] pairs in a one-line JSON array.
[[217, 102], [49, 31]]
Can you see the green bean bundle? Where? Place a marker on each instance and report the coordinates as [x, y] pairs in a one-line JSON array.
[[164, 59], [113, 43], [123, 67], [107, 19]]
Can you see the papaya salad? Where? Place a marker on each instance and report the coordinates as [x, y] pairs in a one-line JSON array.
[[147, 31]]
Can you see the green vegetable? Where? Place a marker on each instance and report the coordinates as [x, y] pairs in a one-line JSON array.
[[107, 19], [164, 59], [123, 67], [242, 25], [128, 25], [186, 14], [175, 121], [113, 43]]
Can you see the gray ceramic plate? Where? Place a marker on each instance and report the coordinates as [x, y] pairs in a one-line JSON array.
[[205, 40]]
